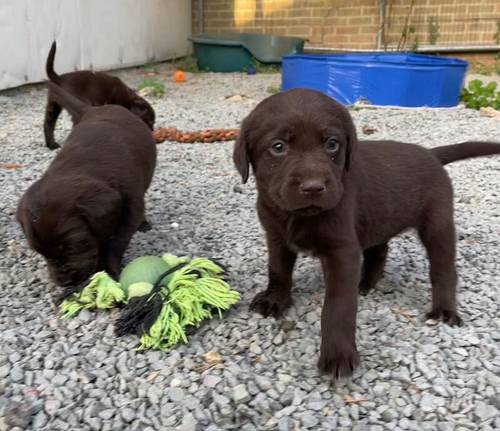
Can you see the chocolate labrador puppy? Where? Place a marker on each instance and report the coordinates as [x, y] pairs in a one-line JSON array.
[[322, 192], [84, 210], [93, 88]]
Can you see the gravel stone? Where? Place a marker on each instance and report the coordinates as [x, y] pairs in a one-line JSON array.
[[211, 381], [316, 405], [52, 406], [16, 374], [495, 401], [4, 371], [106, 414], [95, 423], [445, 426], [308, 421], [255, 349], [128, 414], [389, 415], [278, 340], [286, 424], [189, 423], [485, 411], [39, 420], [176, 394], [263, 383], [287, 398], [427, 403], [240, 394]]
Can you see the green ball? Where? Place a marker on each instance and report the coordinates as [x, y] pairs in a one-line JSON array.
[[144, 269], [142, 288]]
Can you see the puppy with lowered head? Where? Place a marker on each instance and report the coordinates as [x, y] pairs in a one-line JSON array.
[[93, 88], [322, 192], [82, 213]]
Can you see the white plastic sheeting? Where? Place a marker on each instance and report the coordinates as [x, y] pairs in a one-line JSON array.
[[90, 34]]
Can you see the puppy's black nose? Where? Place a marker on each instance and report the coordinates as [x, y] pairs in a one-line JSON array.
[[312, 187]]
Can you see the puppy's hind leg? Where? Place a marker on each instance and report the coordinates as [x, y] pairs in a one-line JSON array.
[[438, 237], [52, 112], [373, 267]]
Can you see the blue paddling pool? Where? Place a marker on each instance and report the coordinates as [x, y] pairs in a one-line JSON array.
[[401, 79]]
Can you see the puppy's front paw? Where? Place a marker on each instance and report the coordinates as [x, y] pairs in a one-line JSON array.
[[450, 317], [112, 267], [271, 303], [339, 362], [53, 146]]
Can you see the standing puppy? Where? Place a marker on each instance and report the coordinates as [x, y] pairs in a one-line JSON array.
[[84, 210], [322, 192], [93, 88]]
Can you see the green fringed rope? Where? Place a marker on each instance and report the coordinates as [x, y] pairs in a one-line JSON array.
[[193, 293], [102, 292]]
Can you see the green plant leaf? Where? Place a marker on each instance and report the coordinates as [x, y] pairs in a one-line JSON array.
[[492, 86], [475, 85]]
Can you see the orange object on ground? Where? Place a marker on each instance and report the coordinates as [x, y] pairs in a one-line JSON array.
[[179, 76]]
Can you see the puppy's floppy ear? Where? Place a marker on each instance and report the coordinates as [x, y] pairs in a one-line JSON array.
[[28, 208], [143, 110], [22, 213], [352, 141], [101, 207], [241, 156], [138, 109]]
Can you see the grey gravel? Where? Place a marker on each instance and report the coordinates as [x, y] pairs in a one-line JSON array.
[[240, 394], [16, 374], [308, 420], [176, 394], [286, 424], [40, 420], [414, 375], [211, 381], [484, 412], [389, 415], [189, 423], [128, 414]]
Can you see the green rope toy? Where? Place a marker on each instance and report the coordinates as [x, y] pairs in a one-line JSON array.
[[162, 297]]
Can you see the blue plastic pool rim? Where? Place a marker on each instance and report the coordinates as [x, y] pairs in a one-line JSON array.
[[385, 58]]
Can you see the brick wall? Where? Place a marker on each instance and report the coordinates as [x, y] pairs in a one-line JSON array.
[[355, 23]]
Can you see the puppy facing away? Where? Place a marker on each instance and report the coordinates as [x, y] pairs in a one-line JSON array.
[[322, 192], [82, 213], [93, 88]]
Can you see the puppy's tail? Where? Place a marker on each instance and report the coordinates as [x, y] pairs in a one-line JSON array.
[[465, 150], [74, 106], [49, 64]]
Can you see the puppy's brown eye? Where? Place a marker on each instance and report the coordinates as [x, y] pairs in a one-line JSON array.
[[332, 145], [278, 147]]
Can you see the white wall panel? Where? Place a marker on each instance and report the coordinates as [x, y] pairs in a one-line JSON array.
[[96, 34]]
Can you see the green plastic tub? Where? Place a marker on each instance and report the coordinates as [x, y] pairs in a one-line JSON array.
[[234, 52]]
